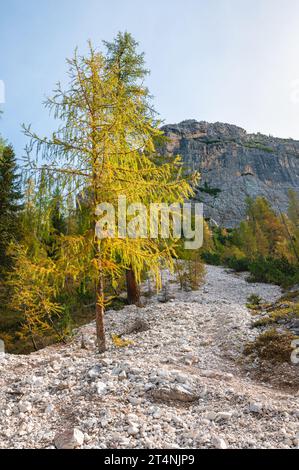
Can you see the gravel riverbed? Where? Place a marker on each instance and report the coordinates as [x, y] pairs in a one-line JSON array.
[[179, 385]]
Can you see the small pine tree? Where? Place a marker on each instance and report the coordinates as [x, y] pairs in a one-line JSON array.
[[10, 206], [58, 219]]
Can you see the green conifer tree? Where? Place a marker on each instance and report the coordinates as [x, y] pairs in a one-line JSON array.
[[10, 202]]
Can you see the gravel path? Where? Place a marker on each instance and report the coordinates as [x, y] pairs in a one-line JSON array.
[[179, 385]]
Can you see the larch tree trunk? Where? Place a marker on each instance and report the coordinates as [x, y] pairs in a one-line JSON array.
[[100, 312], [133, 290]]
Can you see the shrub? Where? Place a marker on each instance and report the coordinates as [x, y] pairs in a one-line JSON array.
[[212, 258], [237, 264], [273, 271], [189, 273], [272, 346], [254, 302]]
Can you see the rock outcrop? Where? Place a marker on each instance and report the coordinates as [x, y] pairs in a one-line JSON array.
[[237, 163]]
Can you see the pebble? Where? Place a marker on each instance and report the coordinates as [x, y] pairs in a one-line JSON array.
[[219, 443], [255, 408], [94, 372], [133, 430], [25, 407], [101, 388], [69, 439], [224, 416], [122, 375]]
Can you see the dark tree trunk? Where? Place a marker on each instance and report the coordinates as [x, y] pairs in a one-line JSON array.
[[133, 291], [100, 311]]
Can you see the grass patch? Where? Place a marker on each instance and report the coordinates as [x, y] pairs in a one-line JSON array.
[[271, 346], [259, 146]]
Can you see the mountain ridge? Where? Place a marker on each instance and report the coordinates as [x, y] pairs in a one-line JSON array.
[[238, 163]]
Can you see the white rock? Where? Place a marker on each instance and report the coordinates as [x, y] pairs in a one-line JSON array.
[[133, 430], [116, 436], [255, 407], [175, 393], [50, 409], [135, 401], [219, 443], [210, 415], [94, 372], [116, 371], [203, 392], [148, 387], [25, 407], [37, 381], [101, 388], [205, 421], [181, 378], [149, 444], [164, 374], [132, 418], [69, 439], [157, 414], [224, 416], [122, 375]]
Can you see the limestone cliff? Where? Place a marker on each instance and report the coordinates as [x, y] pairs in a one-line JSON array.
[[237, 163]]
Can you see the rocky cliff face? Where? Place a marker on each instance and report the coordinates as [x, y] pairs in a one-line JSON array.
[[237, 163]]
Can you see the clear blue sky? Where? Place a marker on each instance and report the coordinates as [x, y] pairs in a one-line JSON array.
[[234, 61]]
